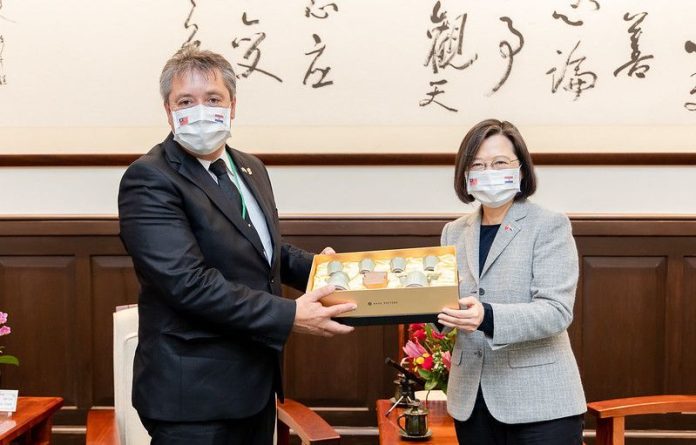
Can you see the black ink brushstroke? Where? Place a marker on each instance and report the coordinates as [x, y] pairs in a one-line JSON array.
[[557, 15], [311, 70], [509, 52], [188, 24], [248, 22], [433, 94], [689, 46], [636, 55]]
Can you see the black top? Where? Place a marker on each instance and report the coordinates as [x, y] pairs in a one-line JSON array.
[[485, 242]]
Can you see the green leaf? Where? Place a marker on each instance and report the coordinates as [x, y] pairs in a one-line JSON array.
[[430, 385], [425, 374], [9, 360]]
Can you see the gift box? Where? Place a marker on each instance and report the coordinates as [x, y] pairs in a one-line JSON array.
[[389, 286]]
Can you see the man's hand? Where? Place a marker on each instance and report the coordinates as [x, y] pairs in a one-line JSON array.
[[313, 318], [467, 320], [328, 251]]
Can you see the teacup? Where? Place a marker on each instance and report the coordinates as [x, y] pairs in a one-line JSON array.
[[333, 267], [415, 278], [398, 264], [415, 422], [429, 263], [340, 280], [366, 265]]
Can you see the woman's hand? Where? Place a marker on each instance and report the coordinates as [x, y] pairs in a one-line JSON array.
[[467, 320]]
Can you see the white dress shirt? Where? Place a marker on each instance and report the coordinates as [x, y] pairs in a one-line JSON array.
[[255, 213]]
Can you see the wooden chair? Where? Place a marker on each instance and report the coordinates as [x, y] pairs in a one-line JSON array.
[[611, 414], [122, 426]]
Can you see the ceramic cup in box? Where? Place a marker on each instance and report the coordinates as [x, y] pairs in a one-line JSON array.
[[333, 267], [340, 280], [415, 278], [397, 264], [429, 263], [366, 265]]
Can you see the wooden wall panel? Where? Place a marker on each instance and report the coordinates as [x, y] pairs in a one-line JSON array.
[[634, 330], [38, 293], [625, 294], [113, 284]]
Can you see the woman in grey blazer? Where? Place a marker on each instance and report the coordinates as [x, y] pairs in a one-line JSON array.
[[513, 379]]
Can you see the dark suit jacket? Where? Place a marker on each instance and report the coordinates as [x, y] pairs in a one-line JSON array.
[[212, 322]]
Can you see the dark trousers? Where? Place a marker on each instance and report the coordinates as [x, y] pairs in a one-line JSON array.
[[483, 429], [255, 430]]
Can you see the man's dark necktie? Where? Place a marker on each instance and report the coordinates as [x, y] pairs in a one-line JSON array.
[[219, 169]]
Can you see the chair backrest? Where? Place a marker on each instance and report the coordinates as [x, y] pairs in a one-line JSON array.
[[131, 430], [611, 414]]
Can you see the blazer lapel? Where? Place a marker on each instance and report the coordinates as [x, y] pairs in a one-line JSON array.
[[509, 229], [470, 242], [192, 170], [252, 181]]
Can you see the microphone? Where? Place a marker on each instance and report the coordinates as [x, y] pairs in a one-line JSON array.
[[409, 374]]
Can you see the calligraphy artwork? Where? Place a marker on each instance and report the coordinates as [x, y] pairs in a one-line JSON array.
[[636, 64], [570, 75], [250, 48], [507, 52], [192, 26]]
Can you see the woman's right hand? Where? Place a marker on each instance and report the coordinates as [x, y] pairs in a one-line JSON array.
[[468, 319]]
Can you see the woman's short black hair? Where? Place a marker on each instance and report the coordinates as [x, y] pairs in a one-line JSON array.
[[470, 147]]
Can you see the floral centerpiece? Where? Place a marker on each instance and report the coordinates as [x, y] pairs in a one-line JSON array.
[[4, 330], [429, 354]]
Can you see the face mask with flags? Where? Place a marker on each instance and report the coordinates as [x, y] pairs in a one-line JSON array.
[[493, 188], [201, 129]]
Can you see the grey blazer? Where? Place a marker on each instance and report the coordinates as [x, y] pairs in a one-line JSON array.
[[527, 370]]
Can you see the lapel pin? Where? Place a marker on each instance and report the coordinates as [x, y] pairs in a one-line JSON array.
[[247, 170], [508, 228]]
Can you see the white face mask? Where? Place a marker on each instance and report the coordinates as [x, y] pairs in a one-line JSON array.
[[201, 129], [493, 188]]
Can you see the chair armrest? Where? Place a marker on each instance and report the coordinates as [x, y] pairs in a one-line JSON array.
[[642, 405], [102, 428], [308, 425]]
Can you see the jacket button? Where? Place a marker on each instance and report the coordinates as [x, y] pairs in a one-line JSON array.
[[479, 354], [482, 291], [272, 281]]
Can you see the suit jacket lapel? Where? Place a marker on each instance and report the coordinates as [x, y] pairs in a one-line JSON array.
[[471, 242], [509, 229], [247, 175], [192, 170]]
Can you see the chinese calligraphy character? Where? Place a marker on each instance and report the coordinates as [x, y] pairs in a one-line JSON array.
[[188, 24], [690, 47], [636, 55], [446, 42], [578, 81], [507, 52], [319, 48], [252, 54], [319, 12], [557, 15], [433, 94]]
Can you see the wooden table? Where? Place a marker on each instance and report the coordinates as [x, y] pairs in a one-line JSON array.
[[439, 422], [31, 424]]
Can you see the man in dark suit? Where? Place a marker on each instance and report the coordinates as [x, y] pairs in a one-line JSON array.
[[200, 222]]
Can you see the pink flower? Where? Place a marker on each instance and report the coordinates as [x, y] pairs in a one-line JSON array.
[[3, 317], [412, 349], [447, 359], [5, 330]]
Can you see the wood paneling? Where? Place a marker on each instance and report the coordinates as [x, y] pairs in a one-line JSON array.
[[586, 158], [625, 292], [634, 330]]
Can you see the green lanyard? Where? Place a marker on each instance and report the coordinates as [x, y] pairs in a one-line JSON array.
[[239, 187]]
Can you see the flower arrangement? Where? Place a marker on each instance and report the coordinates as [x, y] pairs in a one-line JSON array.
[[5, 330], [429, 354]]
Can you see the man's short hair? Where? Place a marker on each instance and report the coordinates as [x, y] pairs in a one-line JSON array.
[[190, 59]]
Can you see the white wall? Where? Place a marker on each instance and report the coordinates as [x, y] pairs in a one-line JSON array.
[[370, 190]]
